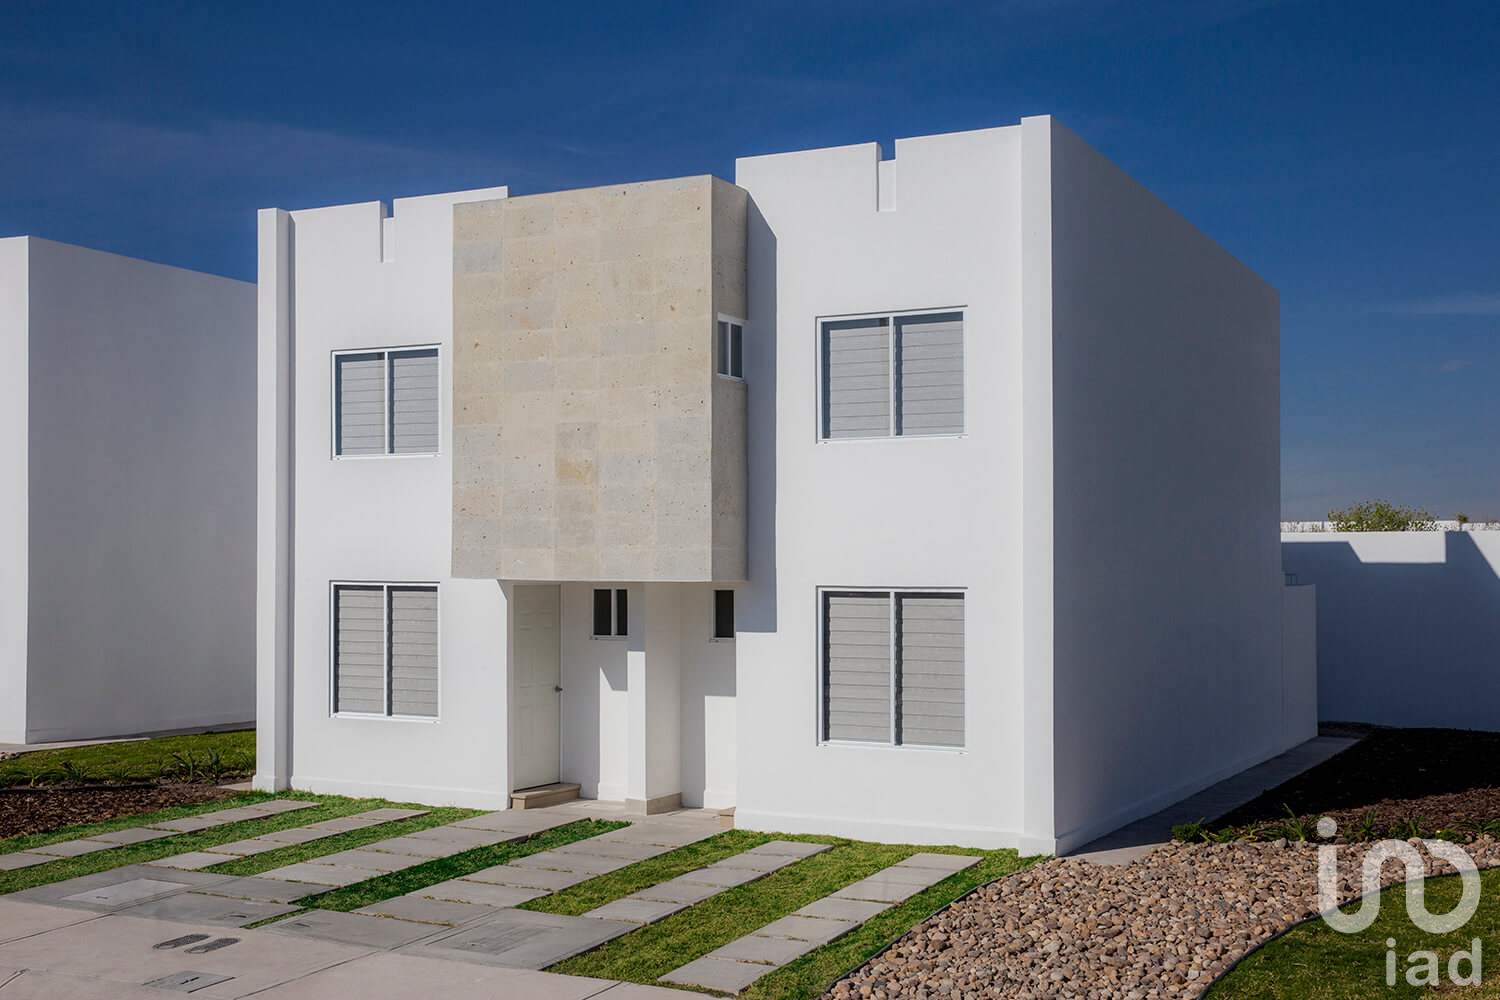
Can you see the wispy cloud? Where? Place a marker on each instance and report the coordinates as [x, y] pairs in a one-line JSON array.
[[1454, 366], [1462, 304]]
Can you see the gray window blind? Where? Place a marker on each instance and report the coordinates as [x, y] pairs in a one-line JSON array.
[[414, 651], [414, 402], [857, 667], [930, 669], [856, 378], [359, 650], [930, 374], [359, 406]]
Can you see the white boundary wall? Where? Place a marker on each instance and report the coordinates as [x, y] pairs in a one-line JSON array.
[[130, 602], [1408, 625]]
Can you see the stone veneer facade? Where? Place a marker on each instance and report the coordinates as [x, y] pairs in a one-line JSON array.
[[593, 440]]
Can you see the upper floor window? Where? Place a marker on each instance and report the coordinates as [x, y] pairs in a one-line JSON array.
[[386, 402], [729, 348], [896, 375]]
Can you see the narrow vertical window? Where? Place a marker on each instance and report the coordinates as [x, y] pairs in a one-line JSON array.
[[723, 614], [729, 349], [611, 613]]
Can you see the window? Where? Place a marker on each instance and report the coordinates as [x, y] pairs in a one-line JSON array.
[[386, 402], [385, 650], [893, 667], [892, 376], [611, 613], [729, 349], [723, 614]]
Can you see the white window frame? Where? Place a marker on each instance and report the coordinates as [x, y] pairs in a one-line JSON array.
[[385, 423], [614, 613], [713, 614], [822, 627], [891, 317], [333, 647], [733, 322]]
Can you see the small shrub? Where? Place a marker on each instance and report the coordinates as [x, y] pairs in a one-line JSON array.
[[74, 773], [1382, 515], [1190, 833], [1365, 829]]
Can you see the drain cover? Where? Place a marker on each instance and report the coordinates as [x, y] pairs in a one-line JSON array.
[[179, 942], [187, 982], [214, 945]]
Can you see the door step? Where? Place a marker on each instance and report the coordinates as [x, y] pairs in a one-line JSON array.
[[544, 795]]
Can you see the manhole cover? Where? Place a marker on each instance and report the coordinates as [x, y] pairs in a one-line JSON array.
[[187, 982], [179, 942]]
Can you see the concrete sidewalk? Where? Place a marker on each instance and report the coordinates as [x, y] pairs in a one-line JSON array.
[[1137, 839], [56, 952]]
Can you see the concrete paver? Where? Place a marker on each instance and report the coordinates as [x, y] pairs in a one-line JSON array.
[[427, 911], [191, 861], [374, 861], [424, 849], [73, 848], [334, 875], [534, 878], [22, 859], [677, 891], [267, 890], [484, 893], [717, 974], [761, 950], [18, 919], [134, 835], [351, 929], [522, 939], [200, 908], [637, 911]]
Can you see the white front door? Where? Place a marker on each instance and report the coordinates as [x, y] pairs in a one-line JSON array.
[[538, 672]]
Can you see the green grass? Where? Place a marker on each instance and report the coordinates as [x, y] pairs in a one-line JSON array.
[[1315, 962], [442, 869], [330, 807], [131, 761], [645, 955]]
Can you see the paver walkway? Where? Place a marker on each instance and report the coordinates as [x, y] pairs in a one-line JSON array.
[[155, 831], [741, 962], [398, 853], [222, 853], [458, 901]]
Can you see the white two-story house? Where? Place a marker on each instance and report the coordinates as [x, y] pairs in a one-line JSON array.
[[931, 498]]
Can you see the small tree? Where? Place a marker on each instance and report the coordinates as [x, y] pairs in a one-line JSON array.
[[1382, 515]]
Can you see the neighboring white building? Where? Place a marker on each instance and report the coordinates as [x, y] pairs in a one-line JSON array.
[[127, 557], [927, 499]]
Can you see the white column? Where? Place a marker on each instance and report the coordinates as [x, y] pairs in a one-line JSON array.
[[654, 684], [274, 503]]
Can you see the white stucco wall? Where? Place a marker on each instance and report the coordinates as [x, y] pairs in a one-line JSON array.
[[913, 512], [1166, 474], [1408, 625], [14, 509], [1299, 663], [384, 519], [140, 483], [595, 703]]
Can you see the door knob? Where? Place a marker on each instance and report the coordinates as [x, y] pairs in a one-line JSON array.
[[557, 688]]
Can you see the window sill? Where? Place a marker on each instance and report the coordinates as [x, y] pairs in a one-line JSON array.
[[370, 716], [609, 638], [405, 454], [911, 747], [730, 378], [894, 437]]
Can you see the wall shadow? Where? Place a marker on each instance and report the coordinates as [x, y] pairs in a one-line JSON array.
[[1405, 643]]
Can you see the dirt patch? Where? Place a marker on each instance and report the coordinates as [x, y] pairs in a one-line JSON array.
[[1444, 778], [24, 812]]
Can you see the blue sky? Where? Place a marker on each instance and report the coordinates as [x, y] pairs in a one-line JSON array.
[[1349, 152]]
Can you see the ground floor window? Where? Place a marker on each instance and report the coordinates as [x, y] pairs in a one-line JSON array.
[[723, 614], [893, 667], [611, 613], [385, 649]]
